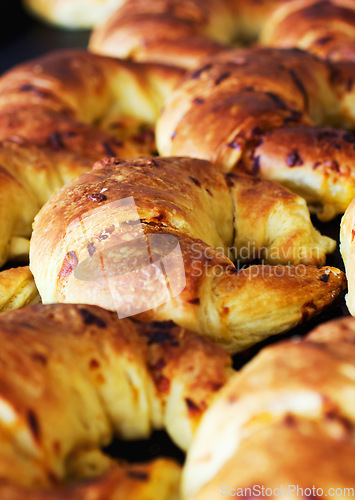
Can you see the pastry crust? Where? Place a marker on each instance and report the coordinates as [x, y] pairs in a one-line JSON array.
[[74, 376], [157, 31], [209, 215], [17, 289], [82, 14], [326, 29], [258, 110], [59, 114], [158, 479], [179, 33], [325, 172], [290, 408], [272, 104], [56, 100]]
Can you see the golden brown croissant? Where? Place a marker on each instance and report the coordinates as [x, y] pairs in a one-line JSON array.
[[183, 32], [178, 32], [59, 114], [73, 14], [324, 28], [72, 376], [55, 101], [233, 101], [286, 420], [255, 110], [90, 246]]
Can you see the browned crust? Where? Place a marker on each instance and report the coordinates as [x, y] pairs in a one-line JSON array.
[[326, 29], [59, 114], [322, 155], [160, 478], [55, 100], [189, 200], [293, 408], [306, 446], [231, 99], [155, 31], [278, 88], [63, 368], [269, 101]]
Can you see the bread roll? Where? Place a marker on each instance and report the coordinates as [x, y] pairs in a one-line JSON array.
[[72, 377], [150, 237], [286, 420]]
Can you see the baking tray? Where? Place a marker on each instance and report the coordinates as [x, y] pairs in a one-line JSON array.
[[23, 38]]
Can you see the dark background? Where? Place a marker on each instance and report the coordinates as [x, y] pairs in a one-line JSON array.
[[23, 37]]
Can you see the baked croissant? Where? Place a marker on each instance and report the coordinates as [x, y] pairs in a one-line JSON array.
[[59, 114], [183, 32], [89, 245], [72, 377], [286, 420], [324, 28], [262, 111], [258, 110], [247, 15], [69, 14]]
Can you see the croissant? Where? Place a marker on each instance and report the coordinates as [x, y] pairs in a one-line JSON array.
[[183, 32], [248, 17], [262, 111], [89, 245], [48, 109], [324, 28], [79, 14], [74, 376], [285, 421]]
